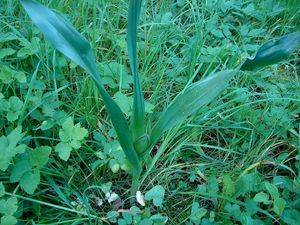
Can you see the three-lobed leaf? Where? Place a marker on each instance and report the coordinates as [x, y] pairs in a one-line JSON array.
[[26, 170], [156, 194], [71, 137]]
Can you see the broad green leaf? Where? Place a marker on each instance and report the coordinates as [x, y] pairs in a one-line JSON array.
[[112, 216], [106, 187], [9, 206], [72, 44], [158, 219], [291, 216], [65, 133], [279, 205], [6, 52], [2, 190], [15, 103], [247, 183], [114, 165], [9, 148], [40, 156], [197, 213], [79, 133], [272, 189], [71, 136], [156, 194], [75, 144], [15, 106], [123, 102], [64, 150], [8, 220], [70, 132], [262, 197], [138, 98], [30, 181], [233, 209], [273, 52], [190, 101], [213, 188], [228, 186], [19, 169], [62, 35], [28, 177]]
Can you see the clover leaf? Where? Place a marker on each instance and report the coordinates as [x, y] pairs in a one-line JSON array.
[[71, 137], [156, 194]]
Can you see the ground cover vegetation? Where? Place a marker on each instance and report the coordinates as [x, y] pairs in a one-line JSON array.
[[156, 152]]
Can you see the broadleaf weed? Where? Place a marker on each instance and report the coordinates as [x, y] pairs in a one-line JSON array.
[[135, 142], [253, 127]]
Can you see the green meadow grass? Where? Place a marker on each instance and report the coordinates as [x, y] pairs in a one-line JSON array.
[[207, 165]]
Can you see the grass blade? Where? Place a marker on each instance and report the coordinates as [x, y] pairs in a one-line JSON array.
[[273, 52], [191, 100], [72, 44], [138, 102]]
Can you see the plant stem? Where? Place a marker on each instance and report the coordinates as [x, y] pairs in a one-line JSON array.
[[134, 187]]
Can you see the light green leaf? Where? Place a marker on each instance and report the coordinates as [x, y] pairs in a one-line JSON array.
[[273, 52], [40, 156], [262, 197], [272, 189], [15, 103], [8, 220], [72, 44], [30, 181], [19, 169], [9, 206], [167, 17], [158, 219], [114, 165], [75, 144], [12, 116], [65, 133], [213, 188], [9, 148], [197, 212], [123, 102], [6, 52], [190, 101], [291, 216], [63, 150], [112, 216], [2, 190], [79, 133], [138, 113], [106, 187], [156, 194], [279, 205], [20, 76], [149, 107], [229, 187]]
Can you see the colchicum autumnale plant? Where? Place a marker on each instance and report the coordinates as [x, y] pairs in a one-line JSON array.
[[134, 140]]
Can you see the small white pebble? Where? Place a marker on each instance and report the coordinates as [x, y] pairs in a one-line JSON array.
[[140, 198]]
